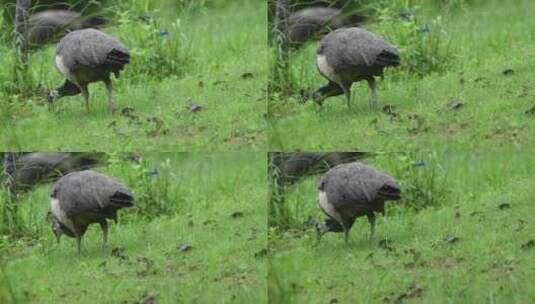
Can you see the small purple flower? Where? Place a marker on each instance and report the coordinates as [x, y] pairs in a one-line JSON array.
[[420, 164], [153, 172], [165, 33]]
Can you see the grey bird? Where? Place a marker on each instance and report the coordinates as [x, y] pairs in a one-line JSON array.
[[353, 190], [81, 198], [87, 56], [46, 26], [308, 23], [349, 55], [289, 168]]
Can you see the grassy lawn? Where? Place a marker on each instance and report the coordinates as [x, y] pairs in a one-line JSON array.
[[207, 56], [473, 244], [213, 203], [456, 128], [482, 41]]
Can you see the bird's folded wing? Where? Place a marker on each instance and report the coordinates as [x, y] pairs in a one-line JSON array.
[[90, 193]]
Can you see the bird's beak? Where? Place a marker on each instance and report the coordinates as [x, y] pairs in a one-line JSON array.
[[49, 97], [318, 236]]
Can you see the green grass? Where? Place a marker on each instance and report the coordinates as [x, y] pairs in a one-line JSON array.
[[485, 41], [226, 261], [473, 181], [205, 60], [487, 264]]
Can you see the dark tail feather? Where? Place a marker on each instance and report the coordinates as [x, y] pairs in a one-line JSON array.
[[390, 193], [95, 22], [122, 200], [121, 59], [116, 60], [386, 58]]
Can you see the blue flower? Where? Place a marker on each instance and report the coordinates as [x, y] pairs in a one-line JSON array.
[[420, 164], [164, 34], [425, 29], [153, 172]]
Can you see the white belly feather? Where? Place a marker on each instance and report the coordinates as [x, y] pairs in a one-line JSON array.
[[326, 69], [61, 67], [60, 214], [327, 207]]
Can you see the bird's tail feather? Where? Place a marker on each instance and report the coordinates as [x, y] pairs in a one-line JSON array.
[[116, 60], [387, 58], [390, 193], [122, 199]]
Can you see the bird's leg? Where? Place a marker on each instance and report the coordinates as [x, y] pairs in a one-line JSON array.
[[374, 102], [109, 92], [347, 92], [346, 235], [347, 223], [329, 90], [318, 236], [104, 226], [85, 93], [79, 243], [371, 219]]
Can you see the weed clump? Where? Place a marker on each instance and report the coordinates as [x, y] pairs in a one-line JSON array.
[[151, 186], [423, 182], [157, 50], [424, 47]]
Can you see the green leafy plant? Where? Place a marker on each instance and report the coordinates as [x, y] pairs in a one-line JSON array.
[[7, 295], [156, 49], [423, 181], [151, 186], [424, 47]]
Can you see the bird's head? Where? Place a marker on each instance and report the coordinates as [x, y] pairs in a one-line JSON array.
[[51, 96], [329, 225], [317, 97], [58, 228], [321, 228]]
